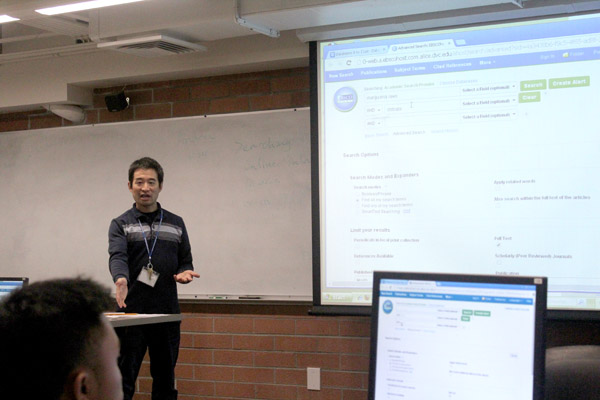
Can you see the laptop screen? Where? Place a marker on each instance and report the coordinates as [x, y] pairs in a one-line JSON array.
[[7, 285], [446, 336]]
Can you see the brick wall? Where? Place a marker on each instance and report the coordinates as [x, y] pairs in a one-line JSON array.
[[240, 356], [183, 98]]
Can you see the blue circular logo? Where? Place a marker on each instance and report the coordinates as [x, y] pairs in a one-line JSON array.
[[345, 99], [387, 306]]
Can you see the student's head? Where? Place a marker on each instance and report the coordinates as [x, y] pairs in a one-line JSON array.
[[145, 183], [55, 343]]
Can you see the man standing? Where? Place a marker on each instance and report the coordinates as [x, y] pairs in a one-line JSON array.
[[149, 253], [56, 344]]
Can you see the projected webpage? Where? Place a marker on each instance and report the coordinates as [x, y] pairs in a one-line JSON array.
[[473, 150], [445, 340]]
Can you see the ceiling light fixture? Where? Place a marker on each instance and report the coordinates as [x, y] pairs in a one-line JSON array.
[[7, 18], [86, 5]]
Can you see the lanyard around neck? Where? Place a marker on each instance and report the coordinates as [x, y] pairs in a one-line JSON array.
[[150, 251]]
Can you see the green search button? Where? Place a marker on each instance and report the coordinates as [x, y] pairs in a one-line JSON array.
[[533, 85]]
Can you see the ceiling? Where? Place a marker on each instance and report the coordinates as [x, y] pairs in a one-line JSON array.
[[215, 37], [202, 20]]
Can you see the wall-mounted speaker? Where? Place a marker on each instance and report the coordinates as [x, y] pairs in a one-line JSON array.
[[116, 102]]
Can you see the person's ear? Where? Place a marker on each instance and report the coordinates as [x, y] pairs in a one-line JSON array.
[[80, 387]]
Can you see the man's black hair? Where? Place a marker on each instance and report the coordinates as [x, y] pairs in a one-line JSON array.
[[146, 163], [48, 329]]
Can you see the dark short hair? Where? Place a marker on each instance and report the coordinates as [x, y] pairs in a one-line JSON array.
[[48, 329], [146, 163]]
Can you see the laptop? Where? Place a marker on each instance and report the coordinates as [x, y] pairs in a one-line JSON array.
[[456, 336], [7, 285]]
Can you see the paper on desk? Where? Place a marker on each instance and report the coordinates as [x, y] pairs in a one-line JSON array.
[[115, 316]]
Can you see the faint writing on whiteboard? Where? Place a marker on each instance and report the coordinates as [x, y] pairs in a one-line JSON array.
[[262, 182], [261, 164], [269, 144]]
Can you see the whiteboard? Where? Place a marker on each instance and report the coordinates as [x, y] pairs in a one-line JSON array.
[[241, 182]]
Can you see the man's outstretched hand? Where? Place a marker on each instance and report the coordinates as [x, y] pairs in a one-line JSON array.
[[121, 292], [186, 276]]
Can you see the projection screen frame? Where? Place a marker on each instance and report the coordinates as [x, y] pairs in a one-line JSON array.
[[315, 80]]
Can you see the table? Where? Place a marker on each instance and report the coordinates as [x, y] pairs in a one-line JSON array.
[[118, 320]]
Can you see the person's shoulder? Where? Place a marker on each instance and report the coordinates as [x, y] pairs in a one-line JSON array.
[[168, 215], [125, 216]]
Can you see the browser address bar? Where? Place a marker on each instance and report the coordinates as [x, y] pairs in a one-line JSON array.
[[401, 56]]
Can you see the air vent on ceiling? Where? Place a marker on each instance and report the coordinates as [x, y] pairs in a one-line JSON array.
[[152, 46]]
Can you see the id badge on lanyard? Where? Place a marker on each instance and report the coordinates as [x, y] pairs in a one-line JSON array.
[[148, 275]]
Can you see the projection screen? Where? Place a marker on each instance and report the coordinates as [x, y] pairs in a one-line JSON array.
[[468, 150]]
